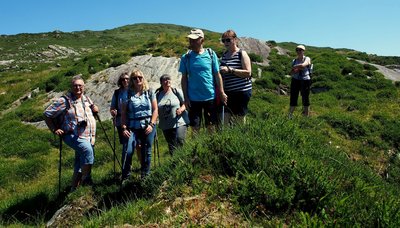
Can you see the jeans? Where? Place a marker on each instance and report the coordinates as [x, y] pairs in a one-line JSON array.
[[138, 137], [84, 151]]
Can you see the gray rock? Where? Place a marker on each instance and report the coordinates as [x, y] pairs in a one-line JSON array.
[[251, 45]]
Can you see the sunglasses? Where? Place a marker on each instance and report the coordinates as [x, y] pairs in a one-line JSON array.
[[298, 49], [124, 79], [136, 78], [227, 40]]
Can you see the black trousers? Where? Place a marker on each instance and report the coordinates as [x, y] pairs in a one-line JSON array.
[[302, 86]]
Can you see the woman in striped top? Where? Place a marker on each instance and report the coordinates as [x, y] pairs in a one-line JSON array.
[[236, 74]]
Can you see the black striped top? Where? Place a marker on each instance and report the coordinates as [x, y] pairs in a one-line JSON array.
[[231, 82]]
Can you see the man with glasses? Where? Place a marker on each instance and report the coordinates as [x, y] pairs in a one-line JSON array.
[[77, 128], [201, 81]]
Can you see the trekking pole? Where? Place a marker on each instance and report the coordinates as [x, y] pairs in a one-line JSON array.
[[115, 175], [108, 139], [223, 117], [154, 149], [59, 167], [158, 151], [176, 143]]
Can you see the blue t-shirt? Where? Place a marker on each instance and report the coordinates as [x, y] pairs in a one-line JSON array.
[[200, 74]]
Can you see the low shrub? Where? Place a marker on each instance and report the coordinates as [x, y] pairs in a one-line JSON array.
[[349, 126], [22, 140], [255, 58]]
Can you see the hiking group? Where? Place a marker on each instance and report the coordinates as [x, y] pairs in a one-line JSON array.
[[216, 91]]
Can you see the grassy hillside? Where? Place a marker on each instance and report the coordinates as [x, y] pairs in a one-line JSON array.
[[338, 168]]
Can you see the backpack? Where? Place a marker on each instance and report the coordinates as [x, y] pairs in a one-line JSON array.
[[58, 120]]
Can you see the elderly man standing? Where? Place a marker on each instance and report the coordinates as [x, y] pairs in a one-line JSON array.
[[200, 78], [77, 128]]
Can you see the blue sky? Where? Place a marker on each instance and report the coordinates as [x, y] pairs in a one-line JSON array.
[[370, 26]]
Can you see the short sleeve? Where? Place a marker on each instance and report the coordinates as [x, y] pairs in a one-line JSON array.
[[182, 65]]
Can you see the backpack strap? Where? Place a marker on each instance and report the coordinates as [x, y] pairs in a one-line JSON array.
[[158, 91], [210, 52], [187, 57], [175, 91], [116, 94]]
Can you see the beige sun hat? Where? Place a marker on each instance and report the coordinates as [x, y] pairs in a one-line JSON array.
[[301, 47], [195, 34]]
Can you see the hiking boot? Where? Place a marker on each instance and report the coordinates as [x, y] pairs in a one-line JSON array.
[[125, 176], [87, 182], [72, 189]]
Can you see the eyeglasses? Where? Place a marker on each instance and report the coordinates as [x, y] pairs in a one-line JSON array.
[[137, 78], [78, 86], [227, 40]]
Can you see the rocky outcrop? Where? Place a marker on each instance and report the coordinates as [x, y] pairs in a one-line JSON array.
[[6, 62], [251, 45], [57, 51], [71, 214], [282, 51], [391, 74]]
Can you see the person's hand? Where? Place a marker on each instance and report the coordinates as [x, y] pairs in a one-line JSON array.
[[126, 133], [187, 104], [224, 69], [113, 112], [58, 132], [148, 129], [224, 98], [94, 108], [179, 111]]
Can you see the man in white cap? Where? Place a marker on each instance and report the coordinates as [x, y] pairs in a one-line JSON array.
[[200, 72]]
